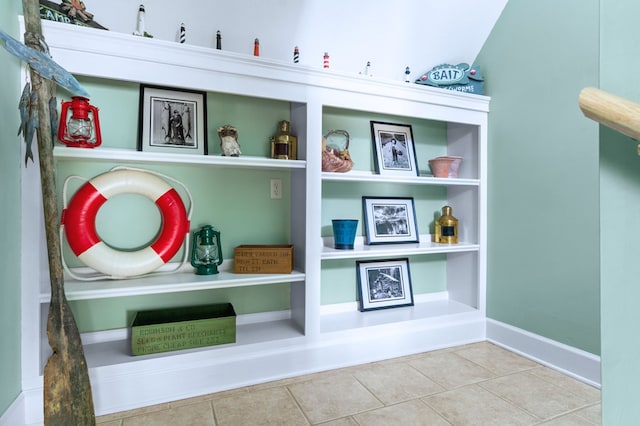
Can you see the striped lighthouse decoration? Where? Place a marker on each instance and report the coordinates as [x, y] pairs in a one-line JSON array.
[[183, 34], [296, 55], [325, 60]]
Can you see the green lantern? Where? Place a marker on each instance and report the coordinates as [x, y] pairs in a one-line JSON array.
[[206, 252]]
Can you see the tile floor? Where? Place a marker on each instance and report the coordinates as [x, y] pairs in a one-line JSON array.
[[477, 384]]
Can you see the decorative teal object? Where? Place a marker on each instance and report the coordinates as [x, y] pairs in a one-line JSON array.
[[461, 77], [206, 250]]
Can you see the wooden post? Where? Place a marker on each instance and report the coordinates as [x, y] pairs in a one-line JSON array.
[[67, 390]]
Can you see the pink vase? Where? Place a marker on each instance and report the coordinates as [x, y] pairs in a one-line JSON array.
[[455, 164], [440, 166]]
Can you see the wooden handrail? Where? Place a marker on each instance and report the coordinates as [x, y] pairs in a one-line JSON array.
[[612, 111]]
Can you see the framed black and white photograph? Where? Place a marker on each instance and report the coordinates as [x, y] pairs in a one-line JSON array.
[[384, 284], [172, 120], [394, 150], [390, 220]]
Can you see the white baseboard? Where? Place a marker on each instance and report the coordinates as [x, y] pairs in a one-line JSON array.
[[573, 362], [15, 414]]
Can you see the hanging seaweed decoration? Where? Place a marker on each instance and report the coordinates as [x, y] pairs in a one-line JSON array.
[[69, 12]]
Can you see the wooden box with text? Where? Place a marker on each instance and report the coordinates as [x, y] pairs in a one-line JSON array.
[[263, 259], [163, 330]]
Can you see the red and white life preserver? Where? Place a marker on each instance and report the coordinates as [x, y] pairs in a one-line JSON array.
[[79, 223]]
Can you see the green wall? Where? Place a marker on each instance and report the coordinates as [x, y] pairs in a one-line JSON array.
[[543, 238], [620, 221], [10, 164]]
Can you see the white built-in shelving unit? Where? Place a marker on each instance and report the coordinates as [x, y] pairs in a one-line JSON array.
[[309, 336]]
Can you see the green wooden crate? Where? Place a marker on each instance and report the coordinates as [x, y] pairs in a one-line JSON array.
[[164, 330]]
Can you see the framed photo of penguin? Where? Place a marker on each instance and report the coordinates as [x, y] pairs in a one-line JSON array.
[[394, 151], [172, 120]]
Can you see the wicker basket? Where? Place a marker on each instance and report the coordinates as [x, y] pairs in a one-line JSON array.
[[335, 156]]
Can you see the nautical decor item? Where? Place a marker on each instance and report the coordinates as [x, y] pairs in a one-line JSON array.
[[69, 11], [65, 373], [218, 40], [446, 229], [79, 223], [325, 60], [407, 73], [229, 141], [296, 55], [284, 146], [183, 34], [461, 78], [335, 153], [82, 129], [256, 47], [206, 251], [140, 25], [367, 70]]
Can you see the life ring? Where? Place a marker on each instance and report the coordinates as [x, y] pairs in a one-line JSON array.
[[79, 223]]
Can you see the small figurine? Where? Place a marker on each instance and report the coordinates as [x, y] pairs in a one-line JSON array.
[[229, 141], [367, 70], [140, 30], [325, 60], [296, 55], [183, 35], [218, 40], [76, 10], [256, 47], [407, 73]]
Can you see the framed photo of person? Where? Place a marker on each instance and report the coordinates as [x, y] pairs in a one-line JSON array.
[[394, 150], [390, 220], [384, 284], [172, 120]]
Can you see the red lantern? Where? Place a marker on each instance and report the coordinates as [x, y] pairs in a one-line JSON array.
[[82, 129]]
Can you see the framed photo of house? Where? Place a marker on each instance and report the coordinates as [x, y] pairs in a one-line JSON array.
[[384, 284], [390, 220], [394, 150], [172, 120]]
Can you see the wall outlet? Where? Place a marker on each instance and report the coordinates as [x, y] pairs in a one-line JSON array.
[[276, 189]]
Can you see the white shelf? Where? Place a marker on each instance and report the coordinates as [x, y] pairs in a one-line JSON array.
[[362, 176], [308, 338], [432, 312], [182, 281], [362, 251], [131, 156], [118, 352]]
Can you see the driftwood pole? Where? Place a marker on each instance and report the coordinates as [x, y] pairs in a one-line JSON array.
[[67, 390]]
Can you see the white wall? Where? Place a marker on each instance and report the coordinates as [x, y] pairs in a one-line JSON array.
[[392, 35]]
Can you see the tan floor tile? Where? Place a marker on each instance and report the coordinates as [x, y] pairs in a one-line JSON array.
[[567, 420], [537, 396], [577, 387], [109, 423], [592, 414], [473, 405], [267, 406], [414, 413], [131, 413], [200, 414], [329, 398], [496, 359], [450, 370], [392, 383], [345, 421]]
